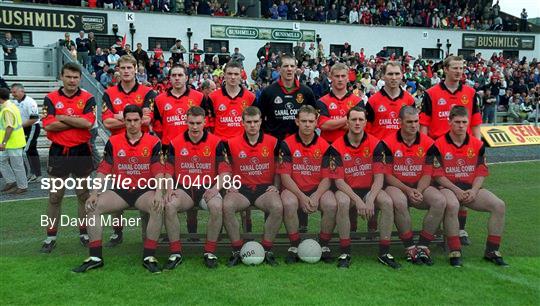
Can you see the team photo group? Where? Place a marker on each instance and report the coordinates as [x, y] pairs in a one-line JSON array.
[[284, 153]]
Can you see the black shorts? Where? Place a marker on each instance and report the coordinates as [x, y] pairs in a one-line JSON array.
[[130, 195], [461, 185], [362, 193], [76, 160], [252, 193], [196, 194]]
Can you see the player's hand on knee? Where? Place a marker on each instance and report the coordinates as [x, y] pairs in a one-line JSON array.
[[370, 208], [210, 194], [272, 188], [415, 196], [158, 203], [470, 196], [91, 202], [169, 196], [461, 195], [232, 190], [304, 203], [361, 208]]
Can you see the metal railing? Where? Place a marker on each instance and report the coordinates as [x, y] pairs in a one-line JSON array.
[[90, 84], [34, 61]]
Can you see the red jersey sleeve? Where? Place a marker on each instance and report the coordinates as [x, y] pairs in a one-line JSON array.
[[324, 114], [169, 164], [338, 172], [476, 118], [49, 112], [149, 100], [328, 167], [425, 114], [387, 158], [156, 166], [106, 165], [284, 159], [481, 167], [378, 159], [106, 108], [223, 158], [427, 169], [438, 169], [89, 110]]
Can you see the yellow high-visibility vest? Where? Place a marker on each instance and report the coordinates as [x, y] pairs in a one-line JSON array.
[[16, 140]]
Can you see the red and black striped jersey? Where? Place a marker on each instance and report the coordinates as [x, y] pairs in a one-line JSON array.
[[171, 112], [306, 164], [116, 99], [254, 163], [203, 160], [81, 105], [461, 165], [437, 103], [383, 112], [409, 163], [139, 160], [331, 108], [357, 165], [226, 111]]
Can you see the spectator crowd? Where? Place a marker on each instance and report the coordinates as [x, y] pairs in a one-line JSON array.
[[445, 14], [503, 84]]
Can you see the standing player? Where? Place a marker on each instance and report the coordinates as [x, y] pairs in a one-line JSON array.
[[436, 106], [225, 106], [462, 172], [115, 99], [195, 159], [335, 105], [133, 156], [304, 164], [359, 177], [333, 109], [171, 106], [384, 106], [409, 157], [68, 117], [279, 104], [383, 109], [170, 111], [252, 157]]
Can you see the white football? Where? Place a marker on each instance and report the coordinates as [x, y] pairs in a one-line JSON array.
[[309, 251], [252, 253]]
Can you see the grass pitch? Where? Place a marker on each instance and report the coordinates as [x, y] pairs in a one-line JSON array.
[[28, 277]]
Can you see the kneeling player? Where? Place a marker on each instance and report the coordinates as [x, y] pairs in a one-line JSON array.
[[252, 157], [461, 174], [359, 177], [304, 168], [134, 156], [409, 156], [195, 158]]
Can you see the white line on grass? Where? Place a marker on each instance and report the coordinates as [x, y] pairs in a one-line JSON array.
[[494, 271], [514, 162]]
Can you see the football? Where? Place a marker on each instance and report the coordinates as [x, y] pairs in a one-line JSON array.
[[309, 251], [252, 253]]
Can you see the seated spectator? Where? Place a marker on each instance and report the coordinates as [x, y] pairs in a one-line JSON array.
[[106, 78], [113, 58], [141, 76]]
